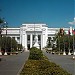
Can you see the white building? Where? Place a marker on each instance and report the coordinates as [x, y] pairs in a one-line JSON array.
[[25, 34]]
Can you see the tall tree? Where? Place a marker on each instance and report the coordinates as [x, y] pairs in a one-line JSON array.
[[60, 39], [1, 25]]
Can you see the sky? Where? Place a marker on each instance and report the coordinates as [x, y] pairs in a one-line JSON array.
[[54, 13]]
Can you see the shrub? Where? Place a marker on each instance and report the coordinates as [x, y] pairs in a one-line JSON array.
[[35, 54], [42, 67], [38, 64]]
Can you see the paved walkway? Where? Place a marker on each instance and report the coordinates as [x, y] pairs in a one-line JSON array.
[[11, 65], [66, 62]]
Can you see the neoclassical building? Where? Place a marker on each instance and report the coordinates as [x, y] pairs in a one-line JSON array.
[[26, 33]]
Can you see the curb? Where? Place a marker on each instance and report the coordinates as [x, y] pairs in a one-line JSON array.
[[21, 68]]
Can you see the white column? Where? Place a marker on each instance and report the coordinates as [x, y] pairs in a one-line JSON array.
[[25, 41], [30, 40], [21, 33], [41, 42], [20, 39]]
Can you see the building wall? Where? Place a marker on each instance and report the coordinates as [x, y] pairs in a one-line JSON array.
[[20, 34]]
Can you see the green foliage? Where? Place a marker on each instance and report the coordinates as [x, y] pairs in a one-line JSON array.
[[20, 46], [8, 43], [1, 21], [49, 42], [64, 40], [42, 67], [14, 44], [38, 64], [35, 54]]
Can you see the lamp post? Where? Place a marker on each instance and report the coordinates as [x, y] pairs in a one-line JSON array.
[[0, 41], [2, 23], [6, 40], [69, 45], [58, 43], [64, 53], [11, 46]]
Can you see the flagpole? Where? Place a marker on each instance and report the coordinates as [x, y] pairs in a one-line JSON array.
[[64, 53], [59, 43], [73, 46], [73, 42], [69, 42], [69, 46]]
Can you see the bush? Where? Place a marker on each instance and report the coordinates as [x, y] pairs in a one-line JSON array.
[[42, 67], [35, 54], [38, 64]]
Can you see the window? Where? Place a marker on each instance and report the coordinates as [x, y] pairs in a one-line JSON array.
[[13, 37], [39, 37], [33, 37], [28, 37], [18, 38]]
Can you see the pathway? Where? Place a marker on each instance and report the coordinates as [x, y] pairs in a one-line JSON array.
[[11, 65], [66, 62]]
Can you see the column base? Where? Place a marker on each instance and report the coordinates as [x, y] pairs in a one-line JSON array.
[[5, 53], [10, 53], [58, 53], [0, 53], [74, 53], [73, 57], [64, 53], [26, 50], [69, 53]]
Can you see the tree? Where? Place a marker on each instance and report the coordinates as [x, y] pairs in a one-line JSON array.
[[1, 25], [20, 46], [60, 39], [48, 42], [64, 41], [8, 43], [14, 44]]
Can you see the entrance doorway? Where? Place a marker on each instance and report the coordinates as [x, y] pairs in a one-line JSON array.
[[28, 46]]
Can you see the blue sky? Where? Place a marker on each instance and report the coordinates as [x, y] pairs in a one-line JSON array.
[[55, 13]]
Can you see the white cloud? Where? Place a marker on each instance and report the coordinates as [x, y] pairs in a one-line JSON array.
[[73, 22]]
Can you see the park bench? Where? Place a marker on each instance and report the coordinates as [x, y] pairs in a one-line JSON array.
[[15, 53], [12, 53]]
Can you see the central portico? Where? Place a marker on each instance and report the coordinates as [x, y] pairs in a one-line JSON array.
[[28, 32]]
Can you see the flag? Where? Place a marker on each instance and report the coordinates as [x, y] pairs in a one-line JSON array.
[[61, 31], [69, 32], [73, 31]]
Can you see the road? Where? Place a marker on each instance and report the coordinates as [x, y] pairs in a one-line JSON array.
[[12, 64], [66, 62]]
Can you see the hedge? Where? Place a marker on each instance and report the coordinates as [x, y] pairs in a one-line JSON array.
[[42, 67], [38, 64], [35, 54]]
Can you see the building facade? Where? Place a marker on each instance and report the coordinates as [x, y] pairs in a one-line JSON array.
[[26, 33]]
